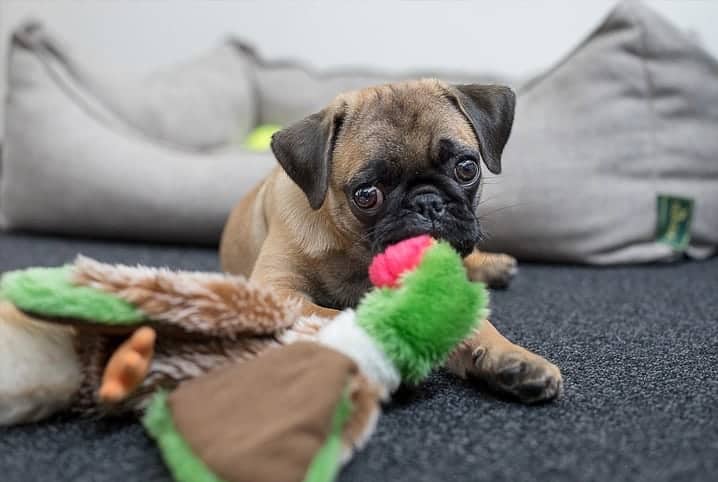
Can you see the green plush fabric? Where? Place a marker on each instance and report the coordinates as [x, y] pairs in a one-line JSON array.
[[435, 307], [49, 292], [326, 462], [182, 462]]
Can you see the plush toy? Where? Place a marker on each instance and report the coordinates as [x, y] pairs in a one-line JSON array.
[[202, 320], [293, 413], [297, 412]]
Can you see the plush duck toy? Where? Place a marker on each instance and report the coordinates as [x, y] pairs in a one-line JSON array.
[[264, 395], [298, 412]]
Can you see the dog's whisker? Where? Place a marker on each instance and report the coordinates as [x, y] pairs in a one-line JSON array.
[[493, 212], [490, 198]]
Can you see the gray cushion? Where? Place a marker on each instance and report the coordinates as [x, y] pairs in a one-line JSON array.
[[312, 89], [631, 114], [202, 104], [152, 158], [73, 165], [628, 116], [199, 104]]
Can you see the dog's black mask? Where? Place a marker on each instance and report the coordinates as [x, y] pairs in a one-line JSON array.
[[432, 201]]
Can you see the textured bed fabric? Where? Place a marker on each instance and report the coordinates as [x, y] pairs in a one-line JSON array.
[[638, 347], [312, 89], [72, 166], [199, 104], [156, 158], [629, 115]]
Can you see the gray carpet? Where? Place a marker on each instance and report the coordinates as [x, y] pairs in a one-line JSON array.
[[638, 347]]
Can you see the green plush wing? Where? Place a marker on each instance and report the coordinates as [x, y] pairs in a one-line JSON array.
[[179, 457], [435, 308], [186, 466], [49, 292], [326, 463]]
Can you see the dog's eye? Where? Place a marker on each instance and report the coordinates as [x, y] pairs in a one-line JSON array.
[[466, 171], [368, 197]]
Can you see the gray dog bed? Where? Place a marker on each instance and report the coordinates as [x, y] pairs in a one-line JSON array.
[[611, 159]]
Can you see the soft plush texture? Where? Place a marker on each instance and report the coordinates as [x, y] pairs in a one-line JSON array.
[[181, 461], [185, 466], [214, 304], [405, 320], [51, 293], [32, 355], [628, 116], [326, 463], [346, 336], [386, 268], [244, 431]]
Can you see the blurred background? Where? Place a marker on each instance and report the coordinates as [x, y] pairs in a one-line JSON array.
[[512, 38], [162, 110]]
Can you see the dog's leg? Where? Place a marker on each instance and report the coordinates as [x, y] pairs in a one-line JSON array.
[[274, 268], [308, 308], [489, 357], [39, 367], [243, 235], [494, 269]]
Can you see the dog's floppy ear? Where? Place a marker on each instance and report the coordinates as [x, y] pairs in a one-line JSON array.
[[304, 150], [490, 110]]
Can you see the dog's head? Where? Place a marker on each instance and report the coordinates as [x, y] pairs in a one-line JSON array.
[[394, 161]]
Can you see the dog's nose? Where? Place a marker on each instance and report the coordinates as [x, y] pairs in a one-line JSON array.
[[430, 205]]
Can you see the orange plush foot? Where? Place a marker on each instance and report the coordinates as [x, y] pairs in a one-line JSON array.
[[127, 366]]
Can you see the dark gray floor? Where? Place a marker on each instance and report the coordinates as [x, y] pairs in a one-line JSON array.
[[638, 347]]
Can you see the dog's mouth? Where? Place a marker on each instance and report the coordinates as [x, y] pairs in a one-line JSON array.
[[444, 217], [463, 244]]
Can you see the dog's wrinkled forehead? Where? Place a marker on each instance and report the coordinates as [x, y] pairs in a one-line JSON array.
[[398, 123]]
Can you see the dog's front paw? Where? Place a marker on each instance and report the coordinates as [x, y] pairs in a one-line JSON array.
[[496, 270], [521, 374]]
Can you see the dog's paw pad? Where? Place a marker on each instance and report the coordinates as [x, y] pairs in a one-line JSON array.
[[527, 377]]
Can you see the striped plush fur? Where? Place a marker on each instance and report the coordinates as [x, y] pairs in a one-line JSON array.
[[211, 304]]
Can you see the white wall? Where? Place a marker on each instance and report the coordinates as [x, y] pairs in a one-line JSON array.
[[509, 37]]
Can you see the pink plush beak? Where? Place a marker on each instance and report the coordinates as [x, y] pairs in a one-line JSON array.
[[386, 268]]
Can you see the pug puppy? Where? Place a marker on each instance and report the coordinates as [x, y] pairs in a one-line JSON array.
[[374, 167]]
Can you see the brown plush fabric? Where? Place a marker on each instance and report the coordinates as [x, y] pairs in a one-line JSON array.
[[263, 420], [212, 304], [176, 361], [178, 356], [94, 351], [365, 399]]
